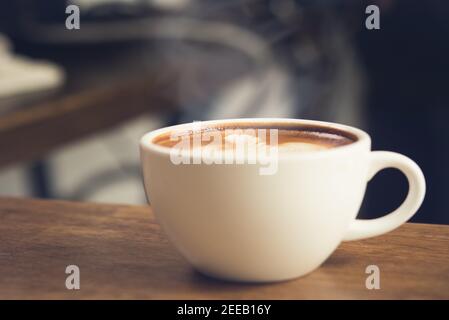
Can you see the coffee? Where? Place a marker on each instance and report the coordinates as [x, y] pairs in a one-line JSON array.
[[289, 138]]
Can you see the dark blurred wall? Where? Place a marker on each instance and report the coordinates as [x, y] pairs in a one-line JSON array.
[[407, 64]]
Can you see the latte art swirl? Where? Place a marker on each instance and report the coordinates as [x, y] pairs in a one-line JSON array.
[[287, 140]]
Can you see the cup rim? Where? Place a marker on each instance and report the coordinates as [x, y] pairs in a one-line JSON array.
[[146, 141]]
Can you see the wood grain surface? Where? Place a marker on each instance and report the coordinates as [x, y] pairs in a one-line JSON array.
[[123, 254]]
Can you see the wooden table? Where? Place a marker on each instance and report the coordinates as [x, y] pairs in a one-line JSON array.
[[122, 254]]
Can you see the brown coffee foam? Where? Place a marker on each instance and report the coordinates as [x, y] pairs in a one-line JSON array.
[[288, 133]]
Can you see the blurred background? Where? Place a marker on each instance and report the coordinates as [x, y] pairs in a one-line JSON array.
[[73, 103]]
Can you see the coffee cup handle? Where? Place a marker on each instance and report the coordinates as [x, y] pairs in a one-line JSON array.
[[379, 160]]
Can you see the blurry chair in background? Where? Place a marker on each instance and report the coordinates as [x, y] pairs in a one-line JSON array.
[[229, 58], [264, 58]]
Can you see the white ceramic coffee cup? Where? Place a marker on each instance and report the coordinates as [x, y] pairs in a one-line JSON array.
[[233, 223]]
